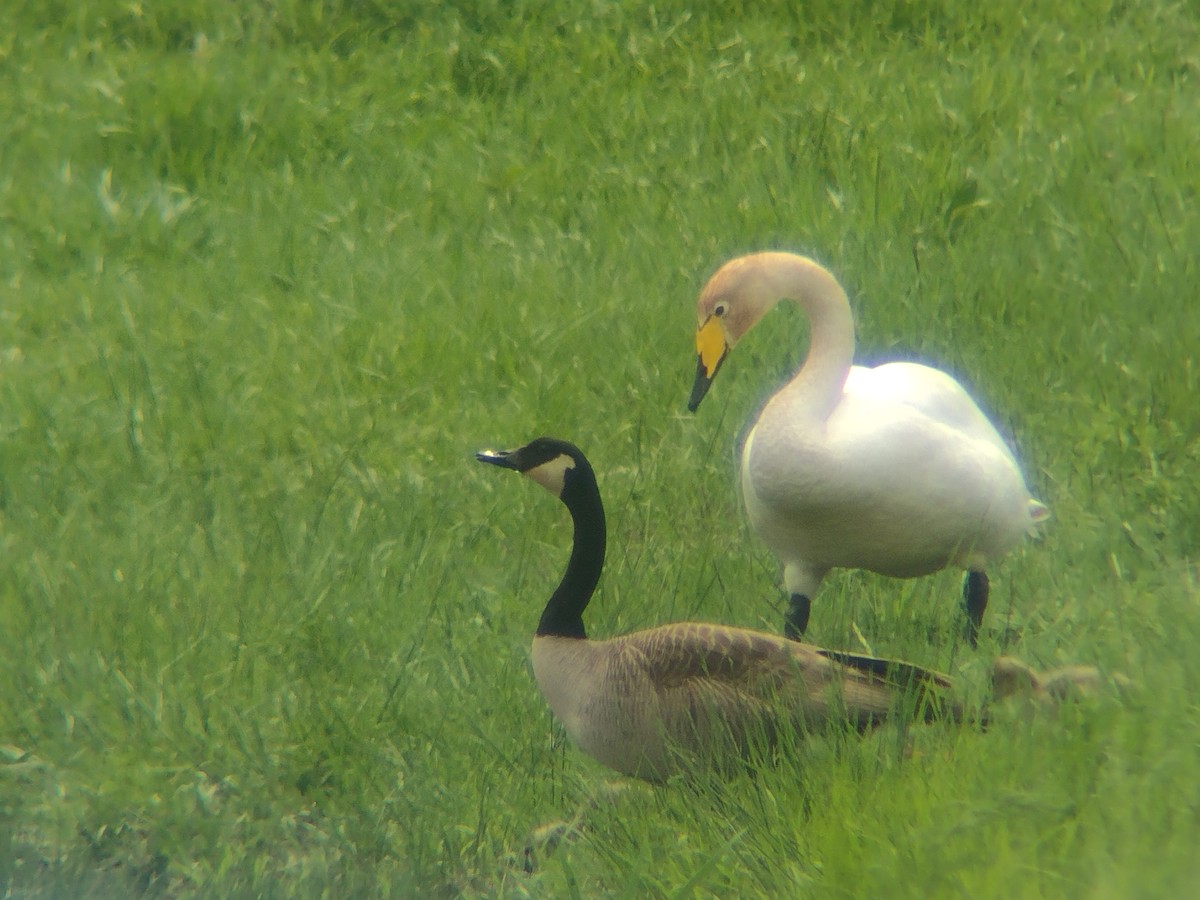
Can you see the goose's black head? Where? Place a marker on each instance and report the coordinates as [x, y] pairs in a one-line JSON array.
[[558, 466], [563, 470]]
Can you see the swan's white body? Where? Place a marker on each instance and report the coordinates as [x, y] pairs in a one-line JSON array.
[[892, 469], [905, 477]]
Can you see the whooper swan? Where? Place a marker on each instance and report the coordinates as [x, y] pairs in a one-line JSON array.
[[892, 469]]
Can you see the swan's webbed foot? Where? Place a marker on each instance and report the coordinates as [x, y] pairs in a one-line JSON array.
[[975, 599], [795, 623]]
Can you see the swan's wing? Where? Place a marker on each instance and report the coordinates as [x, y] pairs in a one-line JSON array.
[[926, 390], [908, 449]]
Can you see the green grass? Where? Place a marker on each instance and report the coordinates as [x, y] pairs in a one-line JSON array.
[[270, 272]]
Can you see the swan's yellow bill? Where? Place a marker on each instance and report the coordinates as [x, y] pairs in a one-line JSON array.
[[711, 347], [710, 344]]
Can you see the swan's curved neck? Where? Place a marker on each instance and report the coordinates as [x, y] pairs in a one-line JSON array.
[[563, 615], [831, 330]]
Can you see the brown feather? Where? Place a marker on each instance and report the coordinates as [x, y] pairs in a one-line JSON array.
[[648, 702]]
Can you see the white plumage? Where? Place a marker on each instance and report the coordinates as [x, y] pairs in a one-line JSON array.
[[893, 469]]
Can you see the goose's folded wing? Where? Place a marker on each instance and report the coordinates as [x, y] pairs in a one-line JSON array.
[[750, 675], [929, 688], [737, 657], [893, 671]]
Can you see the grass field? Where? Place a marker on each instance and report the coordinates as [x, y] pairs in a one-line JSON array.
[[270, 272]]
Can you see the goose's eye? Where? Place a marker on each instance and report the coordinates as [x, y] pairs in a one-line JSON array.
[[719, 310]]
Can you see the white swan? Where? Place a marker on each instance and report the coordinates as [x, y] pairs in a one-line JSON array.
[[892, 469]]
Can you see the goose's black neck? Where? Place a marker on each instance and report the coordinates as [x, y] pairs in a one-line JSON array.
[[563, 616]]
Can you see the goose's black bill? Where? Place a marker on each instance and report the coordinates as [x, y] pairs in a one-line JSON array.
[[505, 459]]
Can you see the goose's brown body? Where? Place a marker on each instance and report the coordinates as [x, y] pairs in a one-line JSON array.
[[647, 704]]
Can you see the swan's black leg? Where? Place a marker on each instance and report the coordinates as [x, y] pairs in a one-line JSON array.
[[975, 599], [796, 621]]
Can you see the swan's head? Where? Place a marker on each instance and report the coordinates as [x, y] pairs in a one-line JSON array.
[[552, 463], [737, 296]]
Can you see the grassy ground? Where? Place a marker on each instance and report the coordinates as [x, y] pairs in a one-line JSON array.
[[270, 272]]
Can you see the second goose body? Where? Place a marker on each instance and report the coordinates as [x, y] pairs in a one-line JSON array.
[[644, 703], [893, 469]]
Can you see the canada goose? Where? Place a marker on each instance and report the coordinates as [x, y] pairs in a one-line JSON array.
[[892, 469], [639, 701]]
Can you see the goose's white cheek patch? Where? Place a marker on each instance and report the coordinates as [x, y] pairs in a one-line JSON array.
[[552, 474]]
